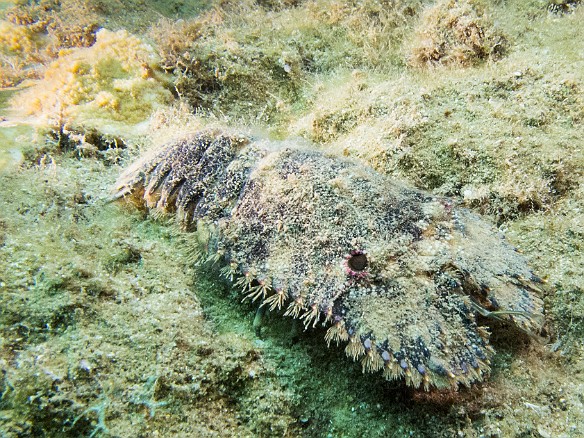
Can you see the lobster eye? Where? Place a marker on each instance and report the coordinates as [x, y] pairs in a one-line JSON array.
[[357, 262]]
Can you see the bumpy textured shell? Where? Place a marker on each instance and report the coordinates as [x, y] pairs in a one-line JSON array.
[[398, 275]]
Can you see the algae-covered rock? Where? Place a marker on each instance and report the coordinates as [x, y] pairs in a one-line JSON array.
[[229, 62], [102, 330], [455, 33], [19, 47], [107, 329], [33, 33], [399, 274], [113, 81]]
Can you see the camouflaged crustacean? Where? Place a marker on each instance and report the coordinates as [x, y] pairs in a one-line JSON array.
[[398, 275]]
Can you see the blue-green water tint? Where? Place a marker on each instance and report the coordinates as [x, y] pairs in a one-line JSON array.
[[13, 136], [59, 334]]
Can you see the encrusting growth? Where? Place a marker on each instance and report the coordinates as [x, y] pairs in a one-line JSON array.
[[398, 274]]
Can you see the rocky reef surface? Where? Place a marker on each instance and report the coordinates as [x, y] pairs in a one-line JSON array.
[[109, 325]]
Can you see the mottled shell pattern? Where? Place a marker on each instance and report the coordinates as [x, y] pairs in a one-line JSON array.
[[398, 275]]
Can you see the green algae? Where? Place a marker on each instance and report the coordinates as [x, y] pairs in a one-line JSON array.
[[230, 63], [82, 317], [85, 327]]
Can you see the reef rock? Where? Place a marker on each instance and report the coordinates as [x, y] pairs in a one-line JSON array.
[[398, 275]]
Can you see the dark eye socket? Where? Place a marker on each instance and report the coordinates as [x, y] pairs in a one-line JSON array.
[[357, 262]]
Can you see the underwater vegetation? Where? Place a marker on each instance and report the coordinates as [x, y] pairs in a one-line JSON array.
[[455, 32], [35, 32], [227, 60], [112, 81], [109, 327]]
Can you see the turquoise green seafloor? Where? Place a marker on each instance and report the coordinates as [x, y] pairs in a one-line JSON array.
[[108, 327]]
